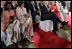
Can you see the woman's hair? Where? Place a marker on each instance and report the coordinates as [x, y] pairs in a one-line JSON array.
[[53, 2], [20, 3], [6, 5]]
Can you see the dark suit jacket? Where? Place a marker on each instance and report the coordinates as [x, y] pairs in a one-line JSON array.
[[32, 10], [45, 15]]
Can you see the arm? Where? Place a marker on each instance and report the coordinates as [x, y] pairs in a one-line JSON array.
[[42, 9], [52, 9], [49, 9], [18, 15], [25, 13], [2, 17]]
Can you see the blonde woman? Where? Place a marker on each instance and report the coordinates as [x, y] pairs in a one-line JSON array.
[[54, 9]]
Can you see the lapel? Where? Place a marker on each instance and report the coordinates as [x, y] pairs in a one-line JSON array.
[[45, 7]]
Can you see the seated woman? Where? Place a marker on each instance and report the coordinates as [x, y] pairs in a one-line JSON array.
[[9, 19], [54, 9], [24, 19]]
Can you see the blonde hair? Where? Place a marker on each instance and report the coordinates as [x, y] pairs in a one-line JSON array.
[[52, 2]]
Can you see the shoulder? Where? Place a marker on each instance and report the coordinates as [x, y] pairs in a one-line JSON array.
[[18, 8], [40, 4], [4, 12]]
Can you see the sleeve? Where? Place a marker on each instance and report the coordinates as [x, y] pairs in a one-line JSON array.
[[52, 9], [36, 7], [25, 11], [61, 6], [57, 6], [18, 14], [2, 16]]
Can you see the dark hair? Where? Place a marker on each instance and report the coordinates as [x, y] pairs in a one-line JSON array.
[[6, 5], [20, 3]]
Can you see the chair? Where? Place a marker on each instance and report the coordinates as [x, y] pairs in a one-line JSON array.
[[46, 25], [37, 19]]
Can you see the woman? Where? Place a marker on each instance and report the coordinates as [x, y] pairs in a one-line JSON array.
[[9, 21], [11, 4], [22, 16], [54, 9]]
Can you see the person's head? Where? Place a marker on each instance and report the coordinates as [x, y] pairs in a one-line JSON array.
[[53, 2], [3, 3], [14, 2], [32, 2], [8, 6], [46, 2], [21, 4]]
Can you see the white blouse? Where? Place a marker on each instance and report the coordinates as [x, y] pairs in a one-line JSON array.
[[20, 14]]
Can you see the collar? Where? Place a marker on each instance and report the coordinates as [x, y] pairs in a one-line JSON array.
[[13, 4]]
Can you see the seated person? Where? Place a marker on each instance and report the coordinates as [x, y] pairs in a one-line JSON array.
[[8, 19], [24, 19], [46, 14], [54, 9], [34, 11]]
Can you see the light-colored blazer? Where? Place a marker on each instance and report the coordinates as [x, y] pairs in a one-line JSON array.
[[20, 14]]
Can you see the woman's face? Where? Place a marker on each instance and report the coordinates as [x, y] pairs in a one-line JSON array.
[[8, 6], [22, 5], [53, 3]]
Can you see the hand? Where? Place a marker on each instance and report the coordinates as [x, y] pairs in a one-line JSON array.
[[21, 22], [28, 14]]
